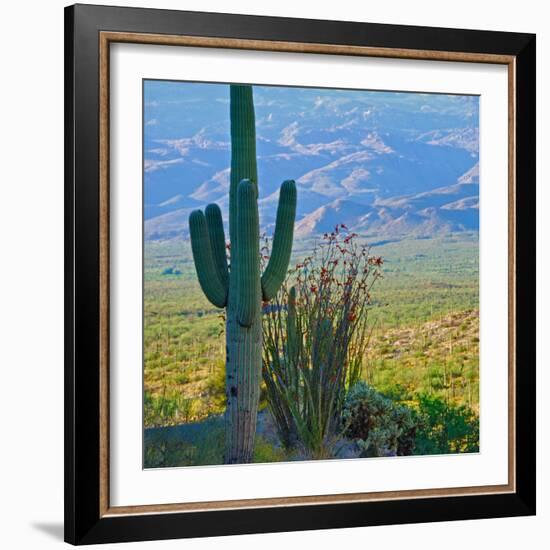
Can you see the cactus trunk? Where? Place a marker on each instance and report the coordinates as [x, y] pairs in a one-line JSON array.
[[243, 374], [241, 287]]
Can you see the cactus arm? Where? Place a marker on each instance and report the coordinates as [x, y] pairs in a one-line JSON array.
[[243, 149], [216, 235], [277, 266], [204, 261], [248, 254]]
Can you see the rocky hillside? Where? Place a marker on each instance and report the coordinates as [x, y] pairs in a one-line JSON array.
[[383, 162]]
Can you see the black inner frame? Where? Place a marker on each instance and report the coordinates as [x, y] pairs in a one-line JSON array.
[[83, 524]]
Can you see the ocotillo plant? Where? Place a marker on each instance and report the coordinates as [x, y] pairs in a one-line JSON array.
[[240, 287], [315, 337]]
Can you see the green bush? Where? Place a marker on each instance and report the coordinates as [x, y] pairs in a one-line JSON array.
[[445, 428], [380, 426], [264, 451]]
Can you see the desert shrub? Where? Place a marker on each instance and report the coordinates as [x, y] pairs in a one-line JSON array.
[[170, 407], [264, 451], [380, 426], [316, 332], [445, 427], [215, 386]]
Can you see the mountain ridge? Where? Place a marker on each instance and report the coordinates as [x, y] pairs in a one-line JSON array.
[[386, 162], [442, 210]]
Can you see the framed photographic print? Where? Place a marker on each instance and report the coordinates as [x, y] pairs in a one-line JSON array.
[[300, 284]]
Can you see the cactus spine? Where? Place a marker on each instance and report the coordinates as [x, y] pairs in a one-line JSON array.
[[241, 288]]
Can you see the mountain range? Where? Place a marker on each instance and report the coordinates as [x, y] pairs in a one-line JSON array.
[[383, 163]]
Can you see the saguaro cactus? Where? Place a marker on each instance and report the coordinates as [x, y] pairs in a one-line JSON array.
[[240, 288]]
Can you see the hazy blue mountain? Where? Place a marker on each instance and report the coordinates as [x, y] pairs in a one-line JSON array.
[[380, 162]]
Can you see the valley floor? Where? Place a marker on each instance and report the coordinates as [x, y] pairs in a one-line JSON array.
[[424, 321]]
